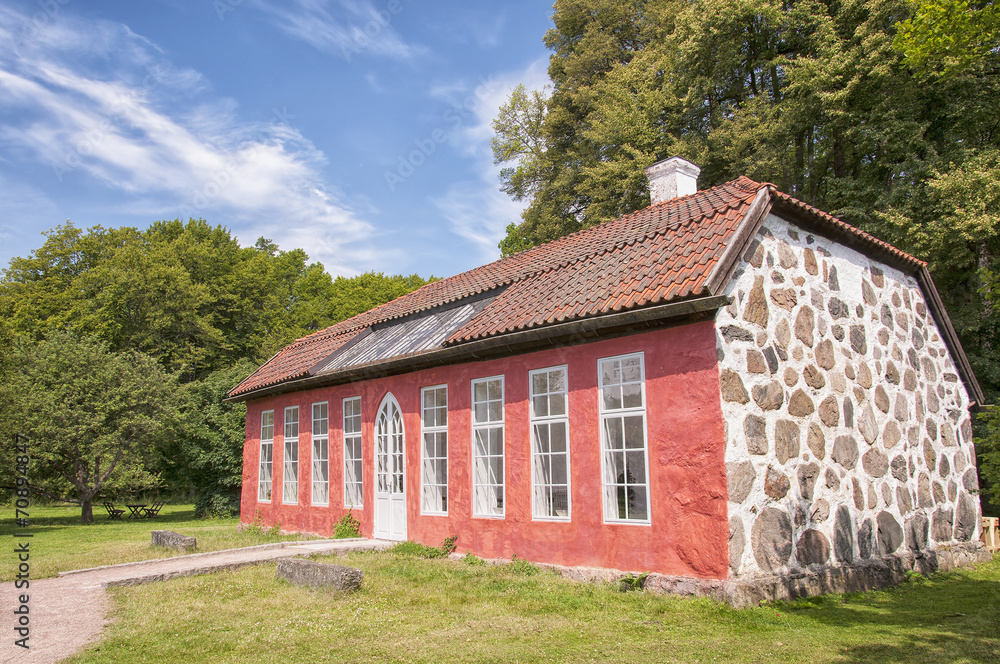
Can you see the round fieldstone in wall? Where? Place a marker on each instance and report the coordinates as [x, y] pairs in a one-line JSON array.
[[737, 542], [770, 396], [825, 357], [916, 532], [805, 322], [845, 451], [875, 463], [820, 511], [812, 548], [899, 468], [867, 425], [924, 491], [807, 475], [740, 477], [904, 499], [889, 536], [829, 411], [832, 479], [942, 524], [771, 539], [755, 428], [756, 308], [970, 480], [816, 441], [732, 387], [843, 535], [966, 518], [865, 536], [756, 362], [776, 484], [800, 405], [786, 440], [891, 435], [859, 496]]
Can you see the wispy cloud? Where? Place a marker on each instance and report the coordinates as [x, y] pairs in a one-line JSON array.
[[144, 128], [347, 28], [476, 209]]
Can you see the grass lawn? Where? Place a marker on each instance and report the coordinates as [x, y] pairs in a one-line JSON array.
[[62, 543], [419, 610]]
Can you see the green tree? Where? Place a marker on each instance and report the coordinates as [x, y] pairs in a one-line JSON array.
[[947, 37], [207, 453], [94, 417]]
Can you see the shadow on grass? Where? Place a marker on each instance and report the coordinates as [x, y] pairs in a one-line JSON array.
[[43, 523], [941, 618]]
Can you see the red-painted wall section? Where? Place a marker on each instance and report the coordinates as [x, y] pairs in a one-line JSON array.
[[687, 533]]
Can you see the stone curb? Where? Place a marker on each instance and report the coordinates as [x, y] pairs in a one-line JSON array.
[[204, 554]]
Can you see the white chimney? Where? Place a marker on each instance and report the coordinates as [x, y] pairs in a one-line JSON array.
[[672, 178]]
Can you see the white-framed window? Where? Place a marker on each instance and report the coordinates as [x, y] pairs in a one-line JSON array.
[[266, 455], [624, 462], [290, 478], [320, 453], [550, 496], [352, 453], [434, 450], [488, 447]]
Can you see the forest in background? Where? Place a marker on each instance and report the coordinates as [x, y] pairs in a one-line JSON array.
[[94, 319], [881, 112]]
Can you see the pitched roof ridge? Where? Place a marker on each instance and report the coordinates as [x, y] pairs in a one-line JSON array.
[[651, 233], [846, 227]]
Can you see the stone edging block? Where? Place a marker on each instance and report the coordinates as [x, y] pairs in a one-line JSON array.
[[172, 540], [320, 575]]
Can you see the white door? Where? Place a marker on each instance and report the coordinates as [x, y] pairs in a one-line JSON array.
[[390, 486]]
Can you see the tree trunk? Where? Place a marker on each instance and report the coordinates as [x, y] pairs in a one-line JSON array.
[[86, 510]]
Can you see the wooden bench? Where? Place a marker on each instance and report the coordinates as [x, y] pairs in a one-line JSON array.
[[991, 533], [113, 512], [151, 511]]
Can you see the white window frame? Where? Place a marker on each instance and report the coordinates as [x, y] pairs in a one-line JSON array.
[[353, 465], [433, 484], [320, 435], [290, 459], [541, 510], [488, 426], [265, 470], [610, 490]]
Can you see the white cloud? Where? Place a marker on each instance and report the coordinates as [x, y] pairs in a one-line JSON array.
[[348, 28], [476, 209], [137, 125]]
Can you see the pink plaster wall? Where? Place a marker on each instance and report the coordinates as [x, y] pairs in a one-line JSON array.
[[688, 534]]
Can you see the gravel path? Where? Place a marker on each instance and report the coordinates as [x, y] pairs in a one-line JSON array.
[[70, 611]]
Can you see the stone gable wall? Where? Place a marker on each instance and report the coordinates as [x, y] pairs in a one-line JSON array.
[[847, 426]]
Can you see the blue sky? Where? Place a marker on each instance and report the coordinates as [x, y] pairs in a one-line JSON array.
[[357, 130]]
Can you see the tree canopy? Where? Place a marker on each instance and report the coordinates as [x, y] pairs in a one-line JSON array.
[[188, 298], [880, 112], [94, 417]]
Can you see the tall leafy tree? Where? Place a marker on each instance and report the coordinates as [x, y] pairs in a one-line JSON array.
[[94, 417], [204, 308]]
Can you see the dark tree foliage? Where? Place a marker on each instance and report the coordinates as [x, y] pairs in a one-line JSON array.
[[881, 112], [94, 418], [204, 309]]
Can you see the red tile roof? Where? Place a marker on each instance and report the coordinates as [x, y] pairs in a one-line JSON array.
[[664, 253]]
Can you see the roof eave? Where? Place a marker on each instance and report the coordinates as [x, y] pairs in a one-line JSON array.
[[559, 334]]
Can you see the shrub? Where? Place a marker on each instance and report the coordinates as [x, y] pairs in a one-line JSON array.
[[347, 527]]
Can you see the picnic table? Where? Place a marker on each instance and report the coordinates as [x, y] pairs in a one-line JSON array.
[[135, 510]]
